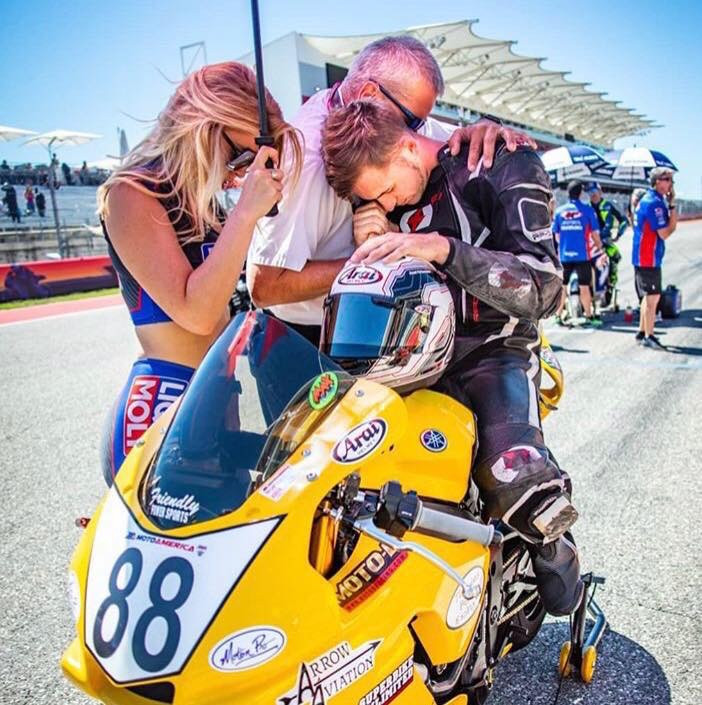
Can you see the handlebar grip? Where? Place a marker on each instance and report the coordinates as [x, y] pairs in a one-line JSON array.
[[453, 528], [273, 211]]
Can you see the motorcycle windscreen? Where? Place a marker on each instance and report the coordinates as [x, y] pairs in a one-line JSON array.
[[206, 465], [363, 327]]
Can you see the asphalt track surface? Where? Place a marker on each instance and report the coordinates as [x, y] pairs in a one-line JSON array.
[[628, 431]]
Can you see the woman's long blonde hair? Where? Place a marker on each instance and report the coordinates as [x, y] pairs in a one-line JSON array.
[[183, 159]]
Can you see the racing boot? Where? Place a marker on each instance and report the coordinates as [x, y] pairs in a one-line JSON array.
[[557, 570]]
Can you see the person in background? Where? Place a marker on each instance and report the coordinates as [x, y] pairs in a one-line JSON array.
[[655, 220], [41, 203], [295, 256], [29, 199], [83, 175], [576, 229], [178, 256], [67, 177], [10, 200], [607, 213]]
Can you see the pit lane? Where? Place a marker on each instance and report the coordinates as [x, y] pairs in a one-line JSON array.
[[628, 431]]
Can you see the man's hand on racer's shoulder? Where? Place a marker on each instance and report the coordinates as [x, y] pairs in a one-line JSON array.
[[392, 247], [482, 137], [370, 220]]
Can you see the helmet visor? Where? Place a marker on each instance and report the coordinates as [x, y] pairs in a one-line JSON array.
[[363, 327]]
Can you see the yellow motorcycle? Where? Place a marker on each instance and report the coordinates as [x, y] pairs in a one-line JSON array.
[[258, 546]]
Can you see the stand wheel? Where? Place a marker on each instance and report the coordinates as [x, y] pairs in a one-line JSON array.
[[587, 667], [564, 666]]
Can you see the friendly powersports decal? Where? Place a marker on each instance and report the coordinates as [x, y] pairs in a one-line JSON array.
[[320, 680], [323, 390], [368, 576], [136, 588]]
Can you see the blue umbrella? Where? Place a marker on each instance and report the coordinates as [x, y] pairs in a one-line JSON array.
[[635, 163], [577, 161]]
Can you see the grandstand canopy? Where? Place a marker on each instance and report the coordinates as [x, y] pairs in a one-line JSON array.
[[486, 75]]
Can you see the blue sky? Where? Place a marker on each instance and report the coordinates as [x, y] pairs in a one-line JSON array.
[[84, 65]]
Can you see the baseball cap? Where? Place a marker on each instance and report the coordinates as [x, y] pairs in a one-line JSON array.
[[592, 186]]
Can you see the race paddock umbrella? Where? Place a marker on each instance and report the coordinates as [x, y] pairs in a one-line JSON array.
[[11, 133], [576, 161], [48, 140], [635, 163]]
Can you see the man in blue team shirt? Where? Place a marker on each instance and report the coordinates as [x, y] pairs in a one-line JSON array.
[[654, 222], [576, 229]]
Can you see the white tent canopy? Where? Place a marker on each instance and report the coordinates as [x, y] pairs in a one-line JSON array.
[[485, 75]]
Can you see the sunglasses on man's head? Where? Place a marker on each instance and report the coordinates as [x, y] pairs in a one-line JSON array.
[[411, 120], [241, 158], [664, 178]]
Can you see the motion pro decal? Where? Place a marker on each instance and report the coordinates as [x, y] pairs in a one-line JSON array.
[[320, 680], [360, 441], [247, 649]]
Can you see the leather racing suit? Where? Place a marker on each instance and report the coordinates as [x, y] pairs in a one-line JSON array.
[[504, 275]]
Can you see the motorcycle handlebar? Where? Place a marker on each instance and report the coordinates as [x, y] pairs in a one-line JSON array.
[[454, 528]]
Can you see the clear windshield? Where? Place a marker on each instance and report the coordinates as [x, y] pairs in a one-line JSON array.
[[210, 460]]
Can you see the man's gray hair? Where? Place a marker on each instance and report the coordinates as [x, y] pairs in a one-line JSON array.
[[388, 59]]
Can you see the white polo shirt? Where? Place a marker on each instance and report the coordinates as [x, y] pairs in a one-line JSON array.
[[313, 223]]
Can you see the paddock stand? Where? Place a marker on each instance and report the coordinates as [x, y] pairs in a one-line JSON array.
[[580, 653]]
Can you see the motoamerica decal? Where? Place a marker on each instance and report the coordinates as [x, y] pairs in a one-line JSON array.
[[328, 675], [368, 576], [360, 441], [389, 688]]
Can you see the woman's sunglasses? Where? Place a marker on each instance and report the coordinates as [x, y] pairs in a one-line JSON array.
[[241, 158], [411, 120]]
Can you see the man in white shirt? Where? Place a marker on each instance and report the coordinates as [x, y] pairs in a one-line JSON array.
[[295, 256]]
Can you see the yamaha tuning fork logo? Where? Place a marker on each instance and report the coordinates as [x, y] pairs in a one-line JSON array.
[[433, 440]]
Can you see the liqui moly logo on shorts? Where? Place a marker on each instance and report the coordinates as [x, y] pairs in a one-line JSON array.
[[360, 274], [360, 441], [149, 396]]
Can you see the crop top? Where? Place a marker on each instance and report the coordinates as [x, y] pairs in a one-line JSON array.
[[142, 308]]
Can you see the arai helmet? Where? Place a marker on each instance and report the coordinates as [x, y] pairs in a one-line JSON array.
[[391, 323]]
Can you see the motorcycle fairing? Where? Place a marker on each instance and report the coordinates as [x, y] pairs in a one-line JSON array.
[[208, 566]]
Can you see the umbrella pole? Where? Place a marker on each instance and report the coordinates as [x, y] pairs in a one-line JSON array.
[[52, 192]]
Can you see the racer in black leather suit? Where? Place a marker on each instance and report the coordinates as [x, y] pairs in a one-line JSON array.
[[504, 275]]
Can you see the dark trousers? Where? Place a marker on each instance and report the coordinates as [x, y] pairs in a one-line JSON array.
[[514, 469]]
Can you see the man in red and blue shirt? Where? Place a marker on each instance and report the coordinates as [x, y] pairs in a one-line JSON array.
[[576, 229], [655, 221]]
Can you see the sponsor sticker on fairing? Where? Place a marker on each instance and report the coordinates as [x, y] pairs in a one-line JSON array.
[[165, 506], [360, 441], [433, 440], [247, 649], [368, 576], [391, 686], [323, 390], [279, 483], [320, 680], [149, 396]]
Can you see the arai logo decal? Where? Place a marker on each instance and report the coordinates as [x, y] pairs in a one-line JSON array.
[[360, 274], [247, 649], [360, 441]]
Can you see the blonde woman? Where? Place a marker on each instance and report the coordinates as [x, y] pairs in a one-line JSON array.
[[177, 255]]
